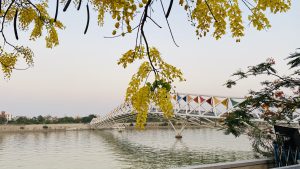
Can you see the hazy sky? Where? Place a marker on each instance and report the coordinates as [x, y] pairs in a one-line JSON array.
[[81, 75]]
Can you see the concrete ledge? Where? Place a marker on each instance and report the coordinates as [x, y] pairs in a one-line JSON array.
[[245, 164]]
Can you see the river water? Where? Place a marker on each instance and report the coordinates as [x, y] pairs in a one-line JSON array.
[[112, 150]]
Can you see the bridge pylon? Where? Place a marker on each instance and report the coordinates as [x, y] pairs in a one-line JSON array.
[[178, 133]]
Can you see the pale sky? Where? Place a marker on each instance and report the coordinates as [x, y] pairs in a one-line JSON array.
[[81, 75]]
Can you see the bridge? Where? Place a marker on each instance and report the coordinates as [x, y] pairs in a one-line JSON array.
[[188, 109]]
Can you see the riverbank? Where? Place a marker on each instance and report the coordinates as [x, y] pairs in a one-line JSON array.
[[81, 126], [44, 127]]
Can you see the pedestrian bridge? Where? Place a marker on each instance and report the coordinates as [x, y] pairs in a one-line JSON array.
[[188, 109]]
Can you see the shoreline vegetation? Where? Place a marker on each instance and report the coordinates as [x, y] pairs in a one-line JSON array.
[[23, 120], [44, 123]]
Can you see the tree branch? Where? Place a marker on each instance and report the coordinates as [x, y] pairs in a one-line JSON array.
[[143, 33], [169, 9], [154, 22], [170, 30], [56, 10], [88, 18]]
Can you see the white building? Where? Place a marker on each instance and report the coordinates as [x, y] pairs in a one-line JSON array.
[[7, 115]]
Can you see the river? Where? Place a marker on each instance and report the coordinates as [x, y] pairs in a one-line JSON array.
[[110, 149]]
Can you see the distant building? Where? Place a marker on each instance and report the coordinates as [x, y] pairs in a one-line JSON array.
[[7, 115]]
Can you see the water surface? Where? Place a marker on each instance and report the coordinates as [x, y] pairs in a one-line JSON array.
[[113, 150]]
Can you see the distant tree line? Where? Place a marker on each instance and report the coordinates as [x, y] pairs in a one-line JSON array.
[[47, 120]]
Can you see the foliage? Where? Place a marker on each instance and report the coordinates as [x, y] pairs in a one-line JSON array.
[[129, 16], [22, 120], [237, 122], [51, 120], [87, 119], [278, 100], [3, 120], [27, 13]]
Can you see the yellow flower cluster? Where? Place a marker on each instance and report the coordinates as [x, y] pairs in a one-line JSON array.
[[123, 11], [215, 12], [131, 55], [26, 53], [28, 15], [40, 18], [163, 100], [137, 79], [274, 5], [140, 92], [259, 20], [8, 60], [235, 20], [140, 102]]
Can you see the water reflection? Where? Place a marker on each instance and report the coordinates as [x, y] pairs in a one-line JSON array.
[[178, 154], [110, 149]]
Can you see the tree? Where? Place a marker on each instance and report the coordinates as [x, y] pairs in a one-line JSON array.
[[153, 81], [88, 118], [22, 120], [3, 120], [66, 120], [278, 100], [40, 119]]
